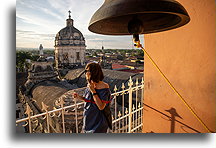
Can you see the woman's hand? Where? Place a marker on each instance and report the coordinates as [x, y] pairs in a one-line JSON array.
[[92, 85], [77, 96]]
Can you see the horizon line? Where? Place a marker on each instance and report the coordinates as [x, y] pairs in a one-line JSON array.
[[54, 48]]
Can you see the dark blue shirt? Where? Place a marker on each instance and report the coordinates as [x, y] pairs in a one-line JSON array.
[[94, 120]]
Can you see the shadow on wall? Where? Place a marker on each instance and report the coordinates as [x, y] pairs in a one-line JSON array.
[[172, 118]]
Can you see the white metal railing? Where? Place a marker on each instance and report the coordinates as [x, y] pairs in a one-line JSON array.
[[126, 107]]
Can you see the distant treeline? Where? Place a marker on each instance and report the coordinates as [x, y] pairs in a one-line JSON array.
[[30, 49], [35, 51], [23, 57]]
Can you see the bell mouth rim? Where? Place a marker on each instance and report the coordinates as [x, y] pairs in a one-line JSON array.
[[184, 19]]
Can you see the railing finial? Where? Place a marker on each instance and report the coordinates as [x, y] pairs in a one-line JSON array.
[[123, 86], [130, 83], [115, 88], [28, 110], [137, 82], [44, 106], [142, 82], [62, 102]]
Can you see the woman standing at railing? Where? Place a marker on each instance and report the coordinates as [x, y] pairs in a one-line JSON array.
[[97, 97]]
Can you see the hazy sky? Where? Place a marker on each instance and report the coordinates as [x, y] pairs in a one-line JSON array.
[[38, 21]]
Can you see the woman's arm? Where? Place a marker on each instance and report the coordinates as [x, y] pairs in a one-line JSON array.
[[101, 105]]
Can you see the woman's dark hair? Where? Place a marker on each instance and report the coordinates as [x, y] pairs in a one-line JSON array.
[[95, 71]]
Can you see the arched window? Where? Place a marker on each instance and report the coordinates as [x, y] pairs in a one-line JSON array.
[[77, 55]]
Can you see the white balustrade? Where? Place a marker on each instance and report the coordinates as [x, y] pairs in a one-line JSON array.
[[127, 117]]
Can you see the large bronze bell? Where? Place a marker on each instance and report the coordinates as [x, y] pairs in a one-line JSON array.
[[124, 17]]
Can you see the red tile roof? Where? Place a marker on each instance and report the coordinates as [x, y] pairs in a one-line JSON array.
[[118, 66], [125, 68]]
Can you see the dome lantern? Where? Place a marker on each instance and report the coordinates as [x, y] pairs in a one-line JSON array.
[[69, 21]]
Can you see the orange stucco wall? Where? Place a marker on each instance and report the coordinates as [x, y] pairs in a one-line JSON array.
[[186, 55]]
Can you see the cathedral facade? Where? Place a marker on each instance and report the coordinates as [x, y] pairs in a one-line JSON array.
[[69, 46]]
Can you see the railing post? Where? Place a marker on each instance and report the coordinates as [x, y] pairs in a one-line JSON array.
[[75, 101], [142, 100], [123, 106], [115, 98], [45, 108], [63, 110], [28, 112], [136, 117], [130, 84]]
